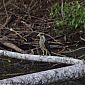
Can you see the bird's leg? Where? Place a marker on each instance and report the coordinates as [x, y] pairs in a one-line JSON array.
[[49, 53], [46, 51], [43, 52]]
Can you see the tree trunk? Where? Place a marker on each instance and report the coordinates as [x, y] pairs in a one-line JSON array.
[[46, 77]]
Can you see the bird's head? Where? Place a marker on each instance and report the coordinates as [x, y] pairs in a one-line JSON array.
[[40, 34]]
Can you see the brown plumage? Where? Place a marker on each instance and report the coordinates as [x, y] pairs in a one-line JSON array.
[[44, 44]]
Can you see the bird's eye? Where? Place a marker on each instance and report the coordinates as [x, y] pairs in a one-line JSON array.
[[42, 34]]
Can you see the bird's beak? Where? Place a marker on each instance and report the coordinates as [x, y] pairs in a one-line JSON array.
[[38, 35]]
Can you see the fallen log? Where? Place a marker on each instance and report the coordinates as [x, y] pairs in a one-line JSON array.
[[40, 58], [46, 77]]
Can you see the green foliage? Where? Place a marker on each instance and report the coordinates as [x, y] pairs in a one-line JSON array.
[[74, 15]]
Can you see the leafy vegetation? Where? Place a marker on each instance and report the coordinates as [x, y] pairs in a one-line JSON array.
[[74, 15]]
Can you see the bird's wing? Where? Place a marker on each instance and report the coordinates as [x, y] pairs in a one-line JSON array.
[[47, 46]]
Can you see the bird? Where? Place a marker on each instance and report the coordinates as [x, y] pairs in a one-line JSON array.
[[45, 47]]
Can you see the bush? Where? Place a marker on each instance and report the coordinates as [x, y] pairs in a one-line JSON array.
[[74, 15]]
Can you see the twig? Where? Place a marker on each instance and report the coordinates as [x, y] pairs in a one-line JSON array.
[[62, 12], [31, 3], [82, 39], [5, 60], [18, 34], [31, 7], [13, 74], [5, 8], [48, 36], [8, 2], [6, 22], [27, 25], [53, 38], [73, 50]]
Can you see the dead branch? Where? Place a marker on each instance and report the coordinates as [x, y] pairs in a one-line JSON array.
[[81, 48], [7, 20], [7, 3], [11, 45], [17, 34], [40, 58], [62, 12], [50, 76], [5, 8], [27, 25]]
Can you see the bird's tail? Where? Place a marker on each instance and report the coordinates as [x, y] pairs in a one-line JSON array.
[[49, 52]]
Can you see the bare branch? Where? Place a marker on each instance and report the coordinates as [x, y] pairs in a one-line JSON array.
[[12, 46], [18, 34], [5, 8], [62, 12], [46, 77], [54, 59]]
